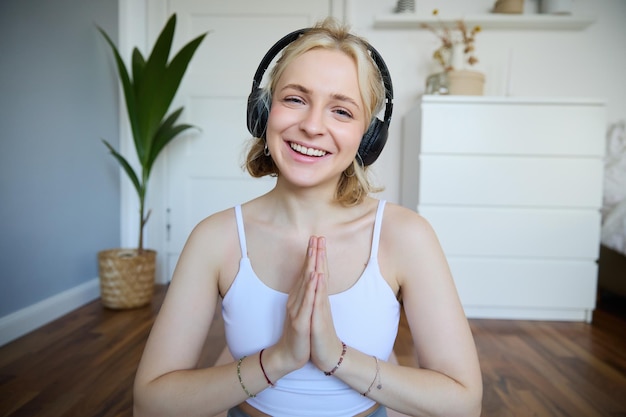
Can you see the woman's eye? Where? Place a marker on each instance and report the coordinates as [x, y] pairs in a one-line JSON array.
[[292, 99], [344, 113]]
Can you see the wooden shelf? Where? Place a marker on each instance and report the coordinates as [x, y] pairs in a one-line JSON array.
[[486, 21]]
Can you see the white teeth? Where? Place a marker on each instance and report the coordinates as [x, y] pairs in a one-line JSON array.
[[307, 151]]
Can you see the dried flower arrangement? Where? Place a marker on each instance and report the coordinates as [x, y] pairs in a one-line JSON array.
[[449, 38]]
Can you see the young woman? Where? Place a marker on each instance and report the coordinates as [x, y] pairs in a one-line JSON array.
[[313, 274]]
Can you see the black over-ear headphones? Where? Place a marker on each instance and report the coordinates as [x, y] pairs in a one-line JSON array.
[[374, 138]]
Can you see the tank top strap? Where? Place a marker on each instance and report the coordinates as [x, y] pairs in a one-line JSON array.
[[241, 231], [377, 226]]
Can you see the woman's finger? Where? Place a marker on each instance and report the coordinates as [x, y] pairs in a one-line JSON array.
[[299, 289]]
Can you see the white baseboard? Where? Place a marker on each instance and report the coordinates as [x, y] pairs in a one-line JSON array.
[[29, 318], [542, 314]]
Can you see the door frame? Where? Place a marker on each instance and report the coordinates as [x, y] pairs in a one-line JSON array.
[[132, 21]]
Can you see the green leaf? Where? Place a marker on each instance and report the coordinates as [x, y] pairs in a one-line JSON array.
[[149, 91], [163, 45], [127, 86], [165, 138], [129, 170], [177, 68], [139, 65], [166, 133], [140, 139]]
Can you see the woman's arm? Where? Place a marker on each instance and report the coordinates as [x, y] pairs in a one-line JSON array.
[[167, 381], [448, 381]]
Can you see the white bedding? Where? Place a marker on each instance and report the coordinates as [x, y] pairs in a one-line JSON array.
[[614, 200]]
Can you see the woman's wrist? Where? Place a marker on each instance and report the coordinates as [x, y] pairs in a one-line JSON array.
[[253, 369], [267, 378], [275, 364], [344, 349]]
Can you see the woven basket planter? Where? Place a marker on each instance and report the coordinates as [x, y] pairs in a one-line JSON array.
[[126, 277]]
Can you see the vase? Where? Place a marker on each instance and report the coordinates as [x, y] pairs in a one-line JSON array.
[[437, 84], [126, 277], [466, 83]]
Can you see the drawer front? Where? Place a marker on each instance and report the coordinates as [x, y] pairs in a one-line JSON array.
[[515, 283], [511, 181], [537, 129], [519, 233]]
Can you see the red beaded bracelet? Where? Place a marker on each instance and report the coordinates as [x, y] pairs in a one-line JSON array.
[[263, 369], [343, 352]]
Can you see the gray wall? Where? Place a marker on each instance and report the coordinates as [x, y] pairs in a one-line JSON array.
[[59, 188]]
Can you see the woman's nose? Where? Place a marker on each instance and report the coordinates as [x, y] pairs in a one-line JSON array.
[[313, 121]]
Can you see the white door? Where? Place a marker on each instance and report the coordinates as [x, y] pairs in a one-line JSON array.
[[202, 170]]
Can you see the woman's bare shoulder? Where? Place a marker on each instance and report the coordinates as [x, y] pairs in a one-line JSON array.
[[409, 243], [216, 223], [405, 224], [214, 235]]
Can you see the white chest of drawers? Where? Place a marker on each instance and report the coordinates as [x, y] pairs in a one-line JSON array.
[[513, 188]]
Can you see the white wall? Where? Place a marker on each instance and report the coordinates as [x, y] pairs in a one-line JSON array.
[[586, 63]]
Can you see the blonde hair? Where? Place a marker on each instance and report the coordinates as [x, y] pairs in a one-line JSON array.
[[354, 184]]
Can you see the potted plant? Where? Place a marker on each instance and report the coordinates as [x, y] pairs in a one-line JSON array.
[[455, 54], [127, 275]]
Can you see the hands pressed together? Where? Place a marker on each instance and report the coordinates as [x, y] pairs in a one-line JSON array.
[[309, 332]]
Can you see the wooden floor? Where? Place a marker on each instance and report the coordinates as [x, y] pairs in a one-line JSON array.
[[83, 364]]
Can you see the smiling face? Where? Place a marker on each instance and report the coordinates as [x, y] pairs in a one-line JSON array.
[[317, 118]]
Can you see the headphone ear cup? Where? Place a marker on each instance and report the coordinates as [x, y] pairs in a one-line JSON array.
[[258, 113], [373, 142]]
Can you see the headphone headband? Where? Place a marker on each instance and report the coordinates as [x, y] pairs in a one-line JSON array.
[[271, 54], [374, 138]]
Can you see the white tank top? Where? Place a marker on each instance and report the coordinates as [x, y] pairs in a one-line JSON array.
[[365, 316]]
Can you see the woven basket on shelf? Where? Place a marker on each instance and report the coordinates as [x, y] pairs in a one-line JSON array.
[[509, 6], [126, 277], [466, 83]]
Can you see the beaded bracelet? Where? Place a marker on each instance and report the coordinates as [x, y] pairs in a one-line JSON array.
[[240, 380], [344, 348]]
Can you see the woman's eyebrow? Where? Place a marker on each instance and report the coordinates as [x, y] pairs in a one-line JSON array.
[[343, 97], [298, 87]]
